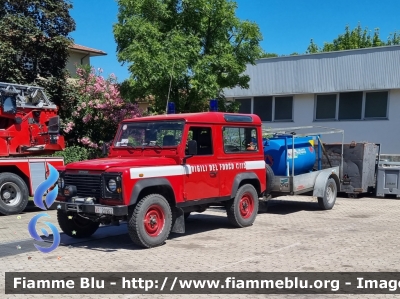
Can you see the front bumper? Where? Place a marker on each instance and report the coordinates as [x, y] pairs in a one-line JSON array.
[[94, 209]]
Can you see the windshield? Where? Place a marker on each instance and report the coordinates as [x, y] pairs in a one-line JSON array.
[[162, 133]]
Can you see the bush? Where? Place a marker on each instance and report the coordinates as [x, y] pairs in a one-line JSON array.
[[76, 153], [95, 110]]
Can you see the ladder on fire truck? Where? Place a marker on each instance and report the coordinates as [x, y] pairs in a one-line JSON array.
[[26, 96]]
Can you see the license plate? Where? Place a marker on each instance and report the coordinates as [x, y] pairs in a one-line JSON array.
[[103, 210]]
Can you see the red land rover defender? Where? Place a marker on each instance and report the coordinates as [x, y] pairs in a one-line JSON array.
[[161, 168]]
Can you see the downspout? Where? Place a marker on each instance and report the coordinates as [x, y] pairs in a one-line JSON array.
[[84, 57]]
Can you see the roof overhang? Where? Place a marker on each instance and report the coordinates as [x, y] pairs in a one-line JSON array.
[[86, 50]]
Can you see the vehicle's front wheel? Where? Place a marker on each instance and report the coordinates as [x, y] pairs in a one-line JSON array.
[[150, 221], [328, 201], [76, 226], [242, 210]]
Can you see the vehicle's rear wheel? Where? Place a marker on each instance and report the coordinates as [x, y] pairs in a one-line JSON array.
[[14, 194], [150, 221], [328, 201], [76, 226], [242, 210], [270, 179]]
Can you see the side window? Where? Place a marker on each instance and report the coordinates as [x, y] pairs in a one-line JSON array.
[[203, 137], [238, 139]]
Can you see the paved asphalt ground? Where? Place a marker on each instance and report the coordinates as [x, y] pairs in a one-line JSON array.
[[291, 235]]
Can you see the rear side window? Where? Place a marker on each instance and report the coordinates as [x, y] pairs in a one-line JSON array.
[[240, 139]]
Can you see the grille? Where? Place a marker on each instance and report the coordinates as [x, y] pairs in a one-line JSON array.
[[87, 185]]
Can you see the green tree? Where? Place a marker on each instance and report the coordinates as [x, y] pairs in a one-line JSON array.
[[34, 43], [353, 39], [196, 47], [268, 55]]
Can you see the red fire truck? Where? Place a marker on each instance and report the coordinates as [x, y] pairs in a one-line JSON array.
[[29, 128]]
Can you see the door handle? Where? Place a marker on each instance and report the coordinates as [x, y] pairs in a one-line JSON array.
[[213, 173]]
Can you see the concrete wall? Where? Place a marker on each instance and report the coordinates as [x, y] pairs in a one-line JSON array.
[[375, 131]]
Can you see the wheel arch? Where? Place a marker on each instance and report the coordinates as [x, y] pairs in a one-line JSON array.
[[245, 178], [320, 183], [146, 187]]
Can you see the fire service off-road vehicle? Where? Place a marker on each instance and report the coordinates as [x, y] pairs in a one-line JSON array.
[[161, 168]]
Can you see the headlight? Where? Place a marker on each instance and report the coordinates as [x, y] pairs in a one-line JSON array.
[[112, 185], [60, 183]]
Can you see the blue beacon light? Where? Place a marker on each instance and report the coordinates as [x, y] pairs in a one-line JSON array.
[[214, 105], [171, 108]]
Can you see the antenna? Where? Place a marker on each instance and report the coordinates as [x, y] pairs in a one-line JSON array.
[[170, 83]]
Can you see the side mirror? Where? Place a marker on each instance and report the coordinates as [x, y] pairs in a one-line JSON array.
[[192, 147], [54, 125]]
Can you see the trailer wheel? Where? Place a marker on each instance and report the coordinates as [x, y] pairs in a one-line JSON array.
[[270, 179], [76, 226], [328, 201], [14, 194], [242, 210], [150, 222]]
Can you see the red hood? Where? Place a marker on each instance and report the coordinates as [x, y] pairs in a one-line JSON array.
[[103, 164]]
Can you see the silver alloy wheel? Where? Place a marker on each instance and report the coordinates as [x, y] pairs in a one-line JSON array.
[[330, 194], [10, 194]]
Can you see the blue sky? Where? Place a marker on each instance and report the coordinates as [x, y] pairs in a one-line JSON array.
[[287, 25]]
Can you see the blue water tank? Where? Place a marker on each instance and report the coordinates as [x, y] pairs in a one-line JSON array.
[[275, 154]]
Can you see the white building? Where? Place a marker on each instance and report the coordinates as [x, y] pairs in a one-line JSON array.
[[355, 90]]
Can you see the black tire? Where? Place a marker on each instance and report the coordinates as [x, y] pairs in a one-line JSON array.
[[76, 226], [187, 215], [270, 179], [144, 233], [240, 215], [14, 194], [328, 201]]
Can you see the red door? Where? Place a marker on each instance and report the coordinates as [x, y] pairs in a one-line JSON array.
[[202, 182]]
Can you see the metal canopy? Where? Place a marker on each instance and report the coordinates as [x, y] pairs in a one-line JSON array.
[[292, 131]]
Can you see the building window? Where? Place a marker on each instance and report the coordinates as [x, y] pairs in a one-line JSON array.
[[376, 104], [268, 108], [245, 105], [352, 106], [283, 109], [326, 106], [263, 108]]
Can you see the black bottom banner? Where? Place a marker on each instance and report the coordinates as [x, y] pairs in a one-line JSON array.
[[202, 283]]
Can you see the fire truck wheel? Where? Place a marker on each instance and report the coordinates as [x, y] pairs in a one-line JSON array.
[[150, 221], [242, 210], [76, 226], [14, 194], [328, 201]]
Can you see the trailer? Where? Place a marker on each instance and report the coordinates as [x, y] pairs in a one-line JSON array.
[[29, 130], [290, 156], [360, 166]]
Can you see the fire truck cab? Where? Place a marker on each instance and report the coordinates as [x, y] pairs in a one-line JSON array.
[[160, 169]]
